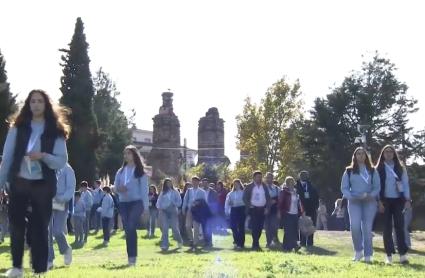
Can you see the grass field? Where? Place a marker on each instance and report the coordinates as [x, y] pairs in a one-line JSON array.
[[330, 258]]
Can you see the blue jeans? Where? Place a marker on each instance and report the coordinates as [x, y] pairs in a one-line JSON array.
[[362, 214], [57, 229], [130, 215], [153, 215], [79, 222], [169, 219]]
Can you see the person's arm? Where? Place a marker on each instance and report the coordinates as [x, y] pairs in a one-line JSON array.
[[70, 186], [145, 192], [159, 201], [246, 196], [345, 186], [227, 205], [376, 184], [8, 149], [406, 187], [185, 201], [177, 199], [58, 158]]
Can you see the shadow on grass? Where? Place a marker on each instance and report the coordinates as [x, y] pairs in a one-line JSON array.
[[116, 267], [169, 251], [76, 245], [415, 252], [315, 250], [99, 246]]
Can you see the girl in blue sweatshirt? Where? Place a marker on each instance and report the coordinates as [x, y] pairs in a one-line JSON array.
[[360, 186], [168, 203], [131, 184]]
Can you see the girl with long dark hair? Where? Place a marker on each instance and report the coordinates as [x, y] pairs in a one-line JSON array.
[[360, 186], [35, 147], [131, 184], [395, 197], [168, 203]]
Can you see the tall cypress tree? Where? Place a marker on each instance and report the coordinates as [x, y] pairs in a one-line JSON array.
[[77, 94], [7, 101]]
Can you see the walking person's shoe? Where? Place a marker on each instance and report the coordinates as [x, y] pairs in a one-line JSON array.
[[358, 256], [131, 261], [49, 265], [67, 257], [404, 259], [389, 260], [368, 259], [14, 273]]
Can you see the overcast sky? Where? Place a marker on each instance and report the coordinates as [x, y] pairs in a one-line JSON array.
[[212, 53]]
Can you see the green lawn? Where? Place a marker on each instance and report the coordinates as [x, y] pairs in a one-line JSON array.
[[331, 258]]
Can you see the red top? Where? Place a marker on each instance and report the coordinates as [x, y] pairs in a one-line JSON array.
[[284, 202]]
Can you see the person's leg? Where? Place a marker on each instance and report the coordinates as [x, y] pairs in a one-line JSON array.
[[208, 227], [355, 211], [241, 227], [286, 232], [188, 226], [174, 223], [51, 255], [310, 239], [399, 226], [41, 196], [18, 203], [164, 230], [275, 228], [368, 216], [79, 229], [388, 228], [135, 211], [267, 224], [255, 223], [87, 226], [196, 232], [59, 226], [106, 230], [233, 225], [292, 231], [407, 220]]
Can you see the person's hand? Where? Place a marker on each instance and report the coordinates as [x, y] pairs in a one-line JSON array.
[[274, 202], [407, 205], [35, 155], [266, 211], [381, 207]]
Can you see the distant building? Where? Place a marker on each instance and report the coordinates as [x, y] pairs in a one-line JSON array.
[[142, 140]]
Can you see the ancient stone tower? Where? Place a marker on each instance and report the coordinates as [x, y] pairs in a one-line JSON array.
[[165, 155], [211, 139]]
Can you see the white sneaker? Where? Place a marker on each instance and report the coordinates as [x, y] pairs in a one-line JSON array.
[[358, 256], [179, 245], [389, 260], [49, 265], [67, 257], [404, 259], [14, 272], [368, 259]]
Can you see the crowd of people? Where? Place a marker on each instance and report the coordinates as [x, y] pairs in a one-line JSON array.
[[40, 203]]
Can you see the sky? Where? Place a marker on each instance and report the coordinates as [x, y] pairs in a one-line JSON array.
[[212, 53]]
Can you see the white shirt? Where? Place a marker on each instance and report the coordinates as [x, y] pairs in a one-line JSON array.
[[293, 209], [258, 198]]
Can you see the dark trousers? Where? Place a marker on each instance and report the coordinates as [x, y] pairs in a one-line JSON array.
[[308, 241], [130, 215], [38, 195], [69, 227], [237, 223], [290, 226], [394, 211], [207, 228], [257, 224], [106, 228]]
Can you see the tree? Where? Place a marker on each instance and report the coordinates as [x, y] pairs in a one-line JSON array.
[[371, 97], [77, 94], [114, 130], [264, 130], [7, 101]]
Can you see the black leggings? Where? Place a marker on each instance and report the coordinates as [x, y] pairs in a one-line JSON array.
[[37, 195]]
